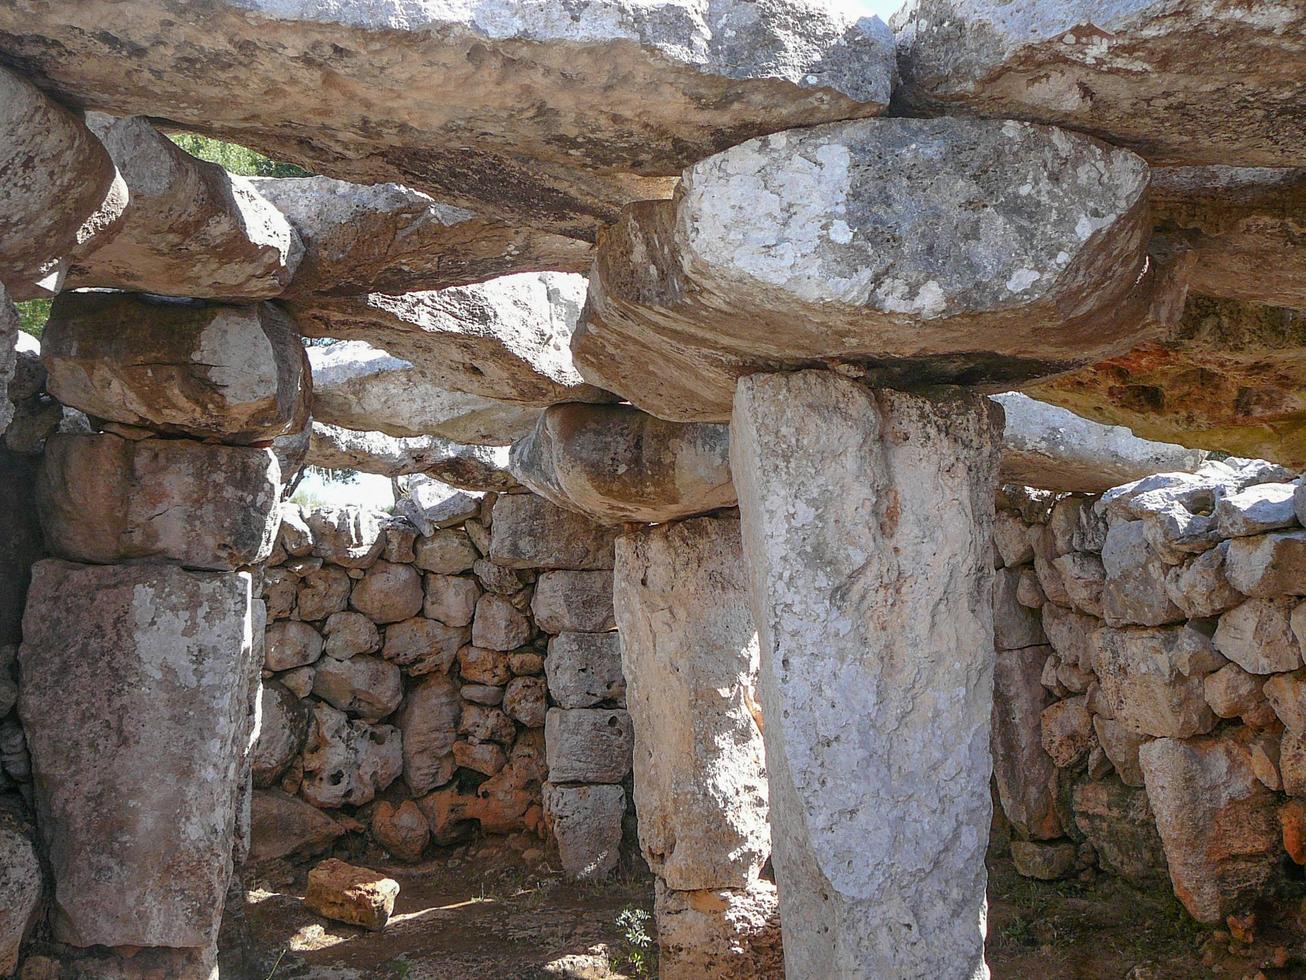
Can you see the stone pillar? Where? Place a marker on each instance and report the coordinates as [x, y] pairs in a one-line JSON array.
[[689, 655], [867, 518]]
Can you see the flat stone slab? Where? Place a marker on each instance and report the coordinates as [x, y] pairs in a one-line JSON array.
[[190, 228], [1244, 226], [839, 244], [1179, 81], [233, 373], [1251, 398], [454, 463], [359, 386], [506, 339], [378, 91], [387, 238], [59, 189]]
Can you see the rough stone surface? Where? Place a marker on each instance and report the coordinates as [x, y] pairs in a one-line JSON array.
[[351, 894], [1234, 693], [751, 246], [323, 593], [689, 654], [1269, 565], [584, 669], [140, 854], [1255, 510], [190, 227], [1199, 586], [11, 385], [1014, 625], [617, 463], [561, 149], [283, 725], [402, 830], [232, 373], [349, 633], [1216, 820], [467, 467], [1023, 770], [525, 701], [1121, 748], [106, 499], [368, 687], [1120, 825], [388, 592], [422, 646], [446, 552], [346, 760], [1041, 860], [530, 532], [1287, 696], [586, 823], [365, 238], [285, 825], [499, 625], [588, 745], [451, 599], [60, 188], [347, 536], [1161, 77], [358, 386], [1258, 636], [506, 339], [723, 934], [829, 476], [21, 888], [567, 601], [290, 644], [1141, 682], [1134, 592], [429, 723], [1067, 731]]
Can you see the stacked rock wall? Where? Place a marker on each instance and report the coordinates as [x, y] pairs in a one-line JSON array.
[[1149, 694], [424, 684]]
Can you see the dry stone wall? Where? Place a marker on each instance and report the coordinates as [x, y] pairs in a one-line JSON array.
[[1149, 692], [434, 675]]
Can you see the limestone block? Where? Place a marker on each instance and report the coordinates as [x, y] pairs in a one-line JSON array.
[[588, 745], [401, 830], [586, 823], [1046, 446], [1121, 747], [486, 724], [507, 339], [530, 532], [528, 662], [105, 499], [1072, 634], [59, 188], [525, 700], [1014, 625], [1268, 565], [1028, 591], [1199, 586], [1238, 222], [279, 592], [854, 676], [294, 536], [689, 654], [323, 593], [190, 227], [388, 593], [1234, 693], [455, 463], [1118, 821], [1217, 821], [575, 602], [368, 687], [347, 536], [1255, 510], [298, 680], [1292, 763], [794, 256], [351, 894], [446, 552], [1141, 73], [584, 669], [285, 825], [1042, 860], [21, 889], [1067, 731], [359, 386], [429, 723], [291, 644], [451, 599], [283, 726], [723, 934], [350, 633], [1011, 539], [1084, 577], [481, 694], [478, 665], [1142, 683], [1258, 636], [1134, 592], [616, 463], [347, 761], [429, 504], [1287, 696], [1174, 532], [497, 579], [483, 757], [140, 853], [236, 374], [498, 624], [21, 543], [1023, 770]]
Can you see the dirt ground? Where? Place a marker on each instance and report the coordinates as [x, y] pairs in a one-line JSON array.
[[511, 923]]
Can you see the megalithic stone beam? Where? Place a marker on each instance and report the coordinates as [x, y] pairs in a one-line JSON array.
[[867, 521]]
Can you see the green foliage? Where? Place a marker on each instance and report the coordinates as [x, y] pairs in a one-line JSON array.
[[237, 159], [32, 314], [638, 954]]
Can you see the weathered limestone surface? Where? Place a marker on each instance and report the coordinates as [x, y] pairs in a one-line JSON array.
[[359, 386], [781, 253], [387, 238], [1049, 447], [21, 888], [58, 188], [1179, 81], [233, 373], [719, 934], [617, 463], [140, 854], [1024, 772], [1244, 225], [586, 822], [106, 499], [506, 339], [457, 464], [876, 631], [417, 92], [348, 761], [584, 669], [346, 893], [1251, 362], [190, 228], [10, 387], [689, 655], [588, 745], [530, 532]]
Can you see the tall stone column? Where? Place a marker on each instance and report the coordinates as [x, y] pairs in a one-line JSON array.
[[867, 518], [689, 655]]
